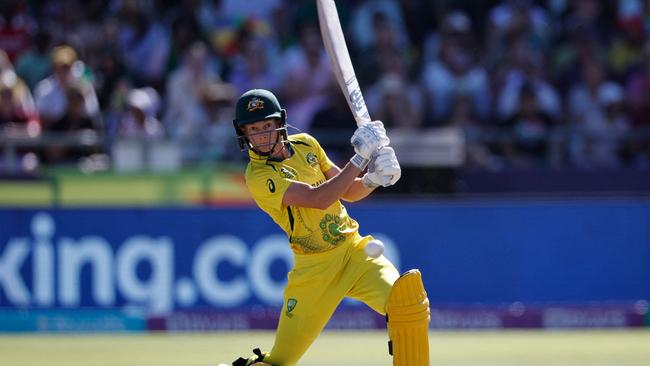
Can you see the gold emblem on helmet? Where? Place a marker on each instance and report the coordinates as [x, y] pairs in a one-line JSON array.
[[255, 104]]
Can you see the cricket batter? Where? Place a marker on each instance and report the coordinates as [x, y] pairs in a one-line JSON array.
[[292, 180]]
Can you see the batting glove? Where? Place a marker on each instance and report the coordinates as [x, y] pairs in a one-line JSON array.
[[366, 140], [383, 169]]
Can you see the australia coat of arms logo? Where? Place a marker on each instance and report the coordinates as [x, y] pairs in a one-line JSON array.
[[312, 160], [255, 104]]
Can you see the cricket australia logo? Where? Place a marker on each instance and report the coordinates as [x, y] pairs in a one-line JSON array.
[[255, 104], [330, 228], [312, 160], [288, 172], [291, 304]]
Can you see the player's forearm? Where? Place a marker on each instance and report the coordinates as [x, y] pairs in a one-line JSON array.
[[357, 191], [336, 188], [323, 196]]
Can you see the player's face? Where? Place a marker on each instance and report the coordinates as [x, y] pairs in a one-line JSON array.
[[263, 134]]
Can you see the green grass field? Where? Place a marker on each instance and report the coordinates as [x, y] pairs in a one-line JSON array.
[[504, 348]]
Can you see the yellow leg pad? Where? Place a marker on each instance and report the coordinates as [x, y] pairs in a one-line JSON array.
[[408, 320]]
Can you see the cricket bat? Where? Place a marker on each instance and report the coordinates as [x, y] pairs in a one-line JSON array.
[[337, 51]]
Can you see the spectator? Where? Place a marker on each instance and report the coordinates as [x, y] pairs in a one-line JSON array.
[[251, 67], [308, 74], [35, 64], [439, 74], [596, 115], [144, 45], [109, 72], [111, 77], [477, 153], [332, 121], [74, 121], [625, 47], [584, 104], [140, 121], [456, 25], [267, 11], [373, 59], [588, 17], [419, 17], [455, 70], [570, 56], [529, 128], [396, 102], [184, 83], [599, 139], [50, 93], [525, 65], [211, 20], [16, 27], [517, 18], [75, 118], [184, 33], [205, 135], [203, 121], [10, 112], [13, 121], [364, 18], [22, 103], [637, 91]]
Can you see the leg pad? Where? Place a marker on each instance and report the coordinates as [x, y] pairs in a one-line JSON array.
[[408, 321]]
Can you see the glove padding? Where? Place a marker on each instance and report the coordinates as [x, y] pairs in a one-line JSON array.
[[383, 169], [368, 138]]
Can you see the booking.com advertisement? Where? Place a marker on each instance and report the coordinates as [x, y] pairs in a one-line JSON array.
[[484, 265]]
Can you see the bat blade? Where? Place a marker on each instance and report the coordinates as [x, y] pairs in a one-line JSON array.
[[337, 51]]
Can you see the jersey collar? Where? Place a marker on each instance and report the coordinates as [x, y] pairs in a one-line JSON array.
[[289, 147], [259, 158]]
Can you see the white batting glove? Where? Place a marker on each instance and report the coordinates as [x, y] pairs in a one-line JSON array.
[[390, 168], [366, 140], [383, 169]]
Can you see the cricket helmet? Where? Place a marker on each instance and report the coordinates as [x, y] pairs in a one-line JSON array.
[[257, 105]]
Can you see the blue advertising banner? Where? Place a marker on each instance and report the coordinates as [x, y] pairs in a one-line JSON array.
[[71, 320], [528, 251], [161, 261]]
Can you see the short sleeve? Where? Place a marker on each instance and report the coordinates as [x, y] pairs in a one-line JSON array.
[[267, 188], [325, 162]]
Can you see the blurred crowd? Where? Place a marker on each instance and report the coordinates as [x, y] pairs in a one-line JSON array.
[[555, 83]]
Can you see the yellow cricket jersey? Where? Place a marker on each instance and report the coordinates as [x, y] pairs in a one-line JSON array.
[[310, 230]]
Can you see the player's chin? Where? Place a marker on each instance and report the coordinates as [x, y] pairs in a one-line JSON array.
[[264, 149]]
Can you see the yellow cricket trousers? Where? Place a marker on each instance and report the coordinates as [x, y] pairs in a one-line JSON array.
[[317, 284]]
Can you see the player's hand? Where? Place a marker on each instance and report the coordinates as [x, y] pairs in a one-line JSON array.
[[366, 140], [383, 169], [388, 167]]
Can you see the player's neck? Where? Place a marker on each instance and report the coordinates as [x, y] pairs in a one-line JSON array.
[[281, 152]]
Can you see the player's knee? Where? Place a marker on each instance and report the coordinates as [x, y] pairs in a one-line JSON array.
[[408, 295]]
